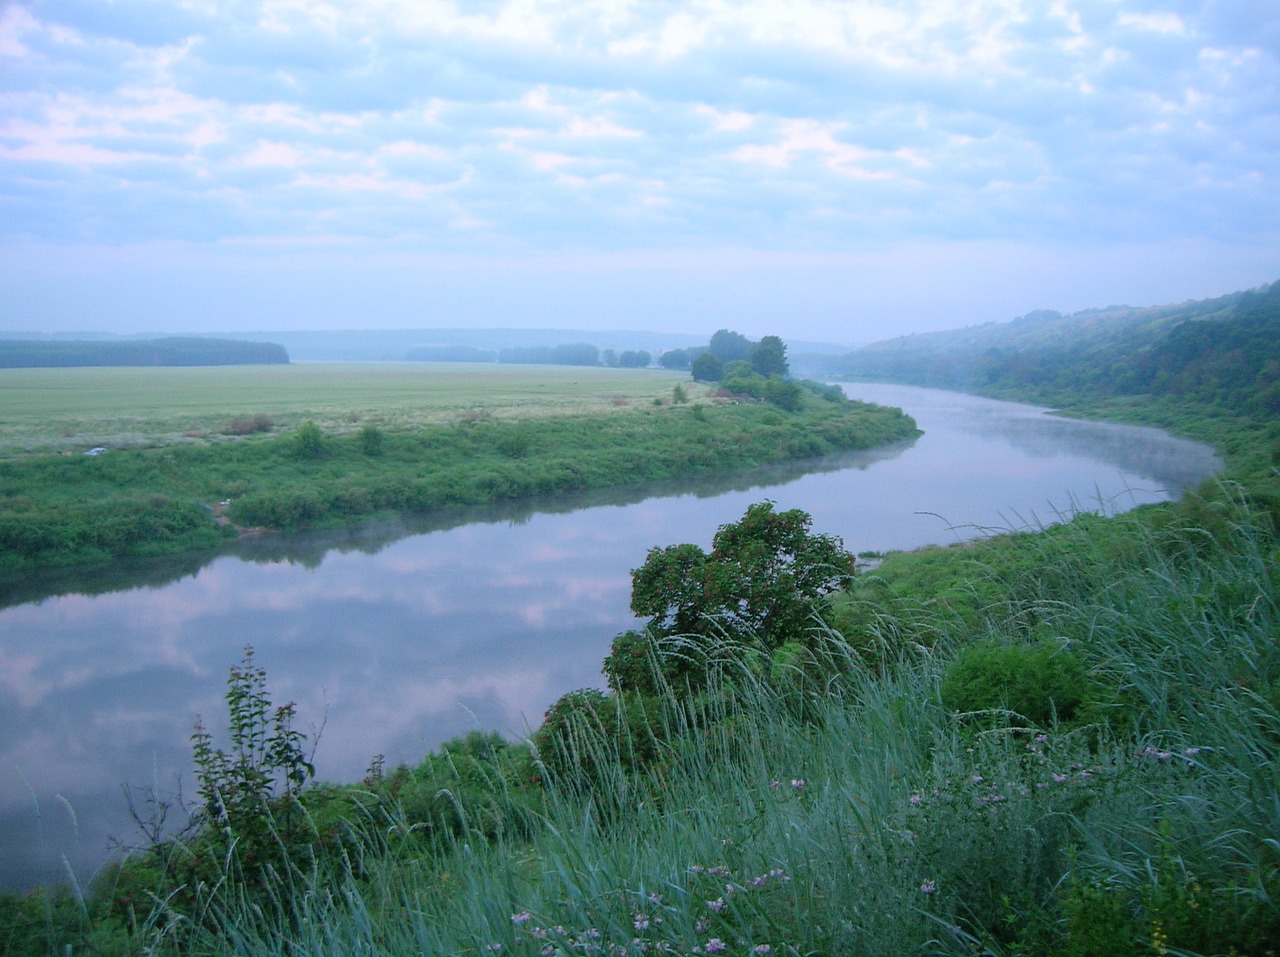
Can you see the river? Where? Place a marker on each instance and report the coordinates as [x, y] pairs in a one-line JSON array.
[[394, 637]]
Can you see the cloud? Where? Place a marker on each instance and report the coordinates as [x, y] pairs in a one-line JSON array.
[[530, 125]]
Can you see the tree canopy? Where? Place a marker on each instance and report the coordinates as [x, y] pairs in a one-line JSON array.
[[770, 357], [765, 576]]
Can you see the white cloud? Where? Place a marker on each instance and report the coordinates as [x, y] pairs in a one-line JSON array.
[[273, 154], [15, 22], [1168, 23], [621, 124], [801, 137]]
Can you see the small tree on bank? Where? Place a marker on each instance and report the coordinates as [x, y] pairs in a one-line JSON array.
[[764, 579]]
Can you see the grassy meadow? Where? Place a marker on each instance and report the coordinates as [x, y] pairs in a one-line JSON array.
[[80, 408]]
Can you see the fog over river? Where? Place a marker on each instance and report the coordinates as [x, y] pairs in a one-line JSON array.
[[398, 637]]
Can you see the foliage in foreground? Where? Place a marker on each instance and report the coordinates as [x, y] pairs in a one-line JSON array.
[[844, 807]]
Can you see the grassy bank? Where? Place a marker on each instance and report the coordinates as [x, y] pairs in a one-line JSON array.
[[1055, 743], [878, 805], [532, 436]]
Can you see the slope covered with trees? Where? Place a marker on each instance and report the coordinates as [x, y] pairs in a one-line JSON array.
[[1223, 352]]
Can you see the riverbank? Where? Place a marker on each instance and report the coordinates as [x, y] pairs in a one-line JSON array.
[[76, 509]]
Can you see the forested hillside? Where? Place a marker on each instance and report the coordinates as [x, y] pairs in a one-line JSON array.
[[173, 351], [1222, 352]]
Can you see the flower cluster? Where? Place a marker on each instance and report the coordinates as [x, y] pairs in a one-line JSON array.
[[731, 919]]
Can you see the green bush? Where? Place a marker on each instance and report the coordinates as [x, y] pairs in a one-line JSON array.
[[308, 441], [1042, 682], [372, 439]]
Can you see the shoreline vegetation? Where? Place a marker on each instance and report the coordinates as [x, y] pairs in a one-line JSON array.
[[143, 495], [1059, 742]]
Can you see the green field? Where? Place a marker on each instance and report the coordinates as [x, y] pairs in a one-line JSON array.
[[185, 459], [76, 409]]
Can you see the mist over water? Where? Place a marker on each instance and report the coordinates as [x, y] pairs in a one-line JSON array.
[[397, 636]]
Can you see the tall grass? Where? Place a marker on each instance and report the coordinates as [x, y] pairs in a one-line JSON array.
[[835, 806]]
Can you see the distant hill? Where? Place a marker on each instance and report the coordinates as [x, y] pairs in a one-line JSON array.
[[170, 351], [1224, 351]]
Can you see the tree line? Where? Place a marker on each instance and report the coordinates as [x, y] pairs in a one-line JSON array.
[[170, 351], [1230, 362]]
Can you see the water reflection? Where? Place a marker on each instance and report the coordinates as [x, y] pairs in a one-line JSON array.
[[397, 636], [308, 549]]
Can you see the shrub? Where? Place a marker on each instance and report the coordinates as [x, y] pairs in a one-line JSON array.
[[1043, 681], [308, 441], [248, 793], [242, 425], [372, 440]]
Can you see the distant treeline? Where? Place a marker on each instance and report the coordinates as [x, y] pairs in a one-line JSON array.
[[569, 354], [174, 351], [1231, 362]]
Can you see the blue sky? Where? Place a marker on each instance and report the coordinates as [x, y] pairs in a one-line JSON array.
[[842, 171]]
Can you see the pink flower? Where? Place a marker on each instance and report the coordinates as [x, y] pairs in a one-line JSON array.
[[715, 945], [797, 784], [521, 917], [716, 905], [916, 799], [928, 887]]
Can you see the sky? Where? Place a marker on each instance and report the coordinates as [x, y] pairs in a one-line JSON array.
[[835, 170]]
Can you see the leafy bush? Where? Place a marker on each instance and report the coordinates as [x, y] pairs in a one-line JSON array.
[[372, 439], [246, 425], [1042, 682], [249, 793], [308, 441]]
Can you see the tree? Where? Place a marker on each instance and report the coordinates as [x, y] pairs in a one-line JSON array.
[[674, 359], [634, 359], [770, 357], [707, 368], [765, 577], [728, 346]]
